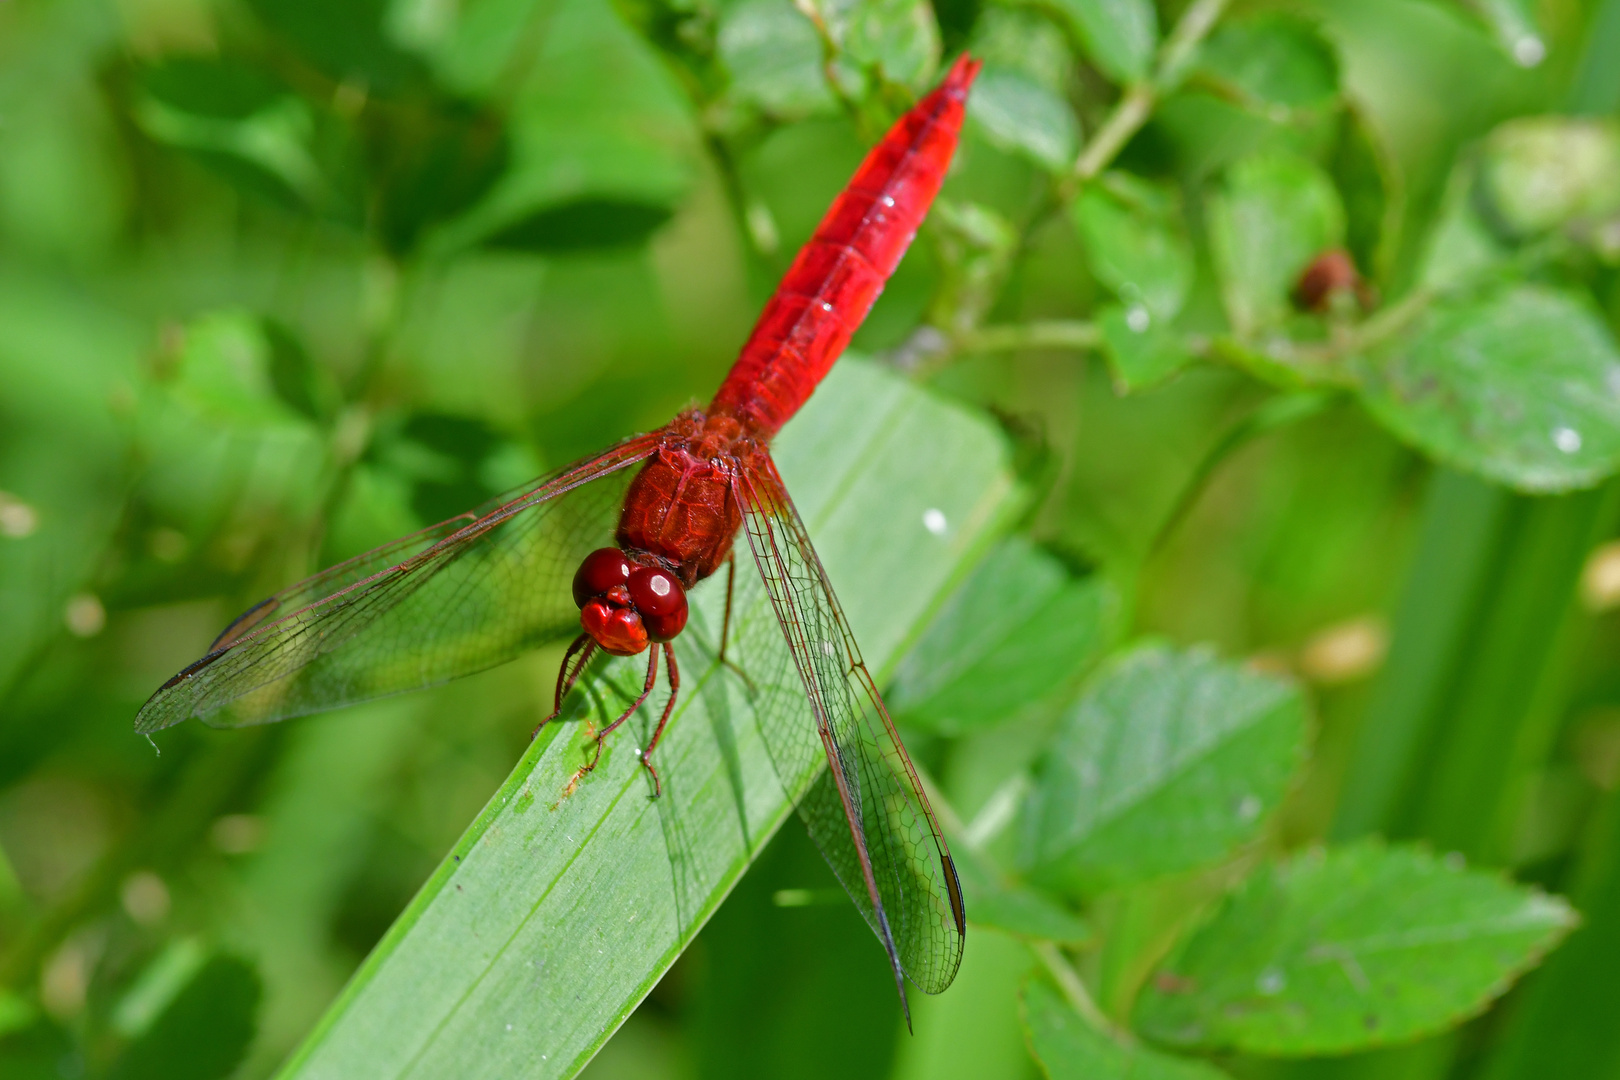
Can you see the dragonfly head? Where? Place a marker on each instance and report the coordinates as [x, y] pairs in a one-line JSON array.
[[625, 605]]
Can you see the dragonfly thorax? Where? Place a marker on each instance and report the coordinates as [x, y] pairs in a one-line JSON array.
[[624, 605]]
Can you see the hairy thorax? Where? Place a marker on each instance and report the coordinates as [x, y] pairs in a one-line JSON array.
[[682, 508]]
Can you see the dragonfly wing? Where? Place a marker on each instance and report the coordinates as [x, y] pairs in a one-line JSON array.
[[867, 812], [462, 596]]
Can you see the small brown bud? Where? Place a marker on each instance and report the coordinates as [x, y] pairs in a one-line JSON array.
[[1330, 275]]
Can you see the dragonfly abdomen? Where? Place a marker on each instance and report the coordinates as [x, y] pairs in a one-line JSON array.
[[838, 275]]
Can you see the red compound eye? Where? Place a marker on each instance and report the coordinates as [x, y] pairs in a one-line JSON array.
[[601, 570], [659, 598]]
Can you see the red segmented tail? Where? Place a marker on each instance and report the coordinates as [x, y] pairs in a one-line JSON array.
[[831, 285]]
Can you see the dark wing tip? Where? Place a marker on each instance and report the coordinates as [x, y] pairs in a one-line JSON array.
[[158, 712], [953, 886]]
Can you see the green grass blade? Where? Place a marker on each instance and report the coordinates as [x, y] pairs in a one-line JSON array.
[[556, 914]]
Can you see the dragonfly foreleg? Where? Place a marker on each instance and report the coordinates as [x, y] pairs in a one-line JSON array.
[[585, 647], [646, 691], [669, 707]]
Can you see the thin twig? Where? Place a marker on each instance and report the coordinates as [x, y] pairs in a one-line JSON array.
[[1041, 334], [1135, 106], [1074, 991]]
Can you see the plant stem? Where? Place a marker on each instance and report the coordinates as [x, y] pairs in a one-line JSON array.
[[1042, 334], [1136, 105], [1074, 991]]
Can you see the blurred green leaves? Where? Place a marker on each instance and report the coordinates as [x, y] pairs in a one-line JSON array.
[[1520, 384], [1169, 761], [1069, 1047], [1363, 946], [1136, 241], [1018, 630], [1119, 35], [1274, 213]]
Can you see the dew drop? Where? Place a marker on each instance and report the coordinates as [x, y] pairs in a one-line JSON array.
[[1271, 982], [934, 521], [1566, 439], [1249, 808], [1138, 319], [1529, 51], [887, 200]]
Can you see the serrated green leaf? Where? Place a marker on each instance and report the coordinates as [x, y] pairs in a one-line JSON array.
[[1022, 116], [597, 129], [1170, 759], [1069, 1048], [898, 39], [1016, 631], [1136, 242], [1025, 40], [1273, 60], [1542, 172], [1120, 36], [1521, 385], [1142, 351], [1349, 949], [1012, 906], [561, 907], [1273, 215], [773, 56]]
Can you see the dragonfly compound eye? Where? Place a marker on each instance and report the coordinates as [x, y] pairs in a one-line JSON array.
[[660, 600], [601, 570], [617, 630]]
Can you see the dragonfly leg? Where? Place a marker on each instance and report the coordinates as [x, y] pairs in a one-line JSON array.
[[585, 647], [725, 624], [674, 677], [652, 679], [731, 583]]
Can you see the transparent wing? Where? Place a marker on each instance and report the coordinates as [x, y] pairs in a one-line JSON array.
[[867, 812], [462, 596]]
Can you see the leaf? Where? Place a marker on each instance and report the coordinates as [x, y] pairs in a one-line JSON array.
[[559, 911], [238, 121], [1142, 351], [1136, 242], [1274, 214], [1169, 760], [1344, 950], [599, 135], [592, 223], [1541, 172], [1461, 250], [1024, 40], [898, 39], [774, 58], [1016, 631], [1275, 61], [1119, 36], [1069, 1048], [347, 39], [1022, 116], [1013, 907], [203, 1032], [1521, 385]]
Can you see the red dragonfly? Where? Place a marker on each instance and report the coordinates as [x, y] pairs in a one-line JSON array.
[[479, 589]]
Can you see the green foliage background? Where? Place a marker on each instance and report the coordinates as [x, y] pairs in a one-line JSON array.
[[1264, 677]]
